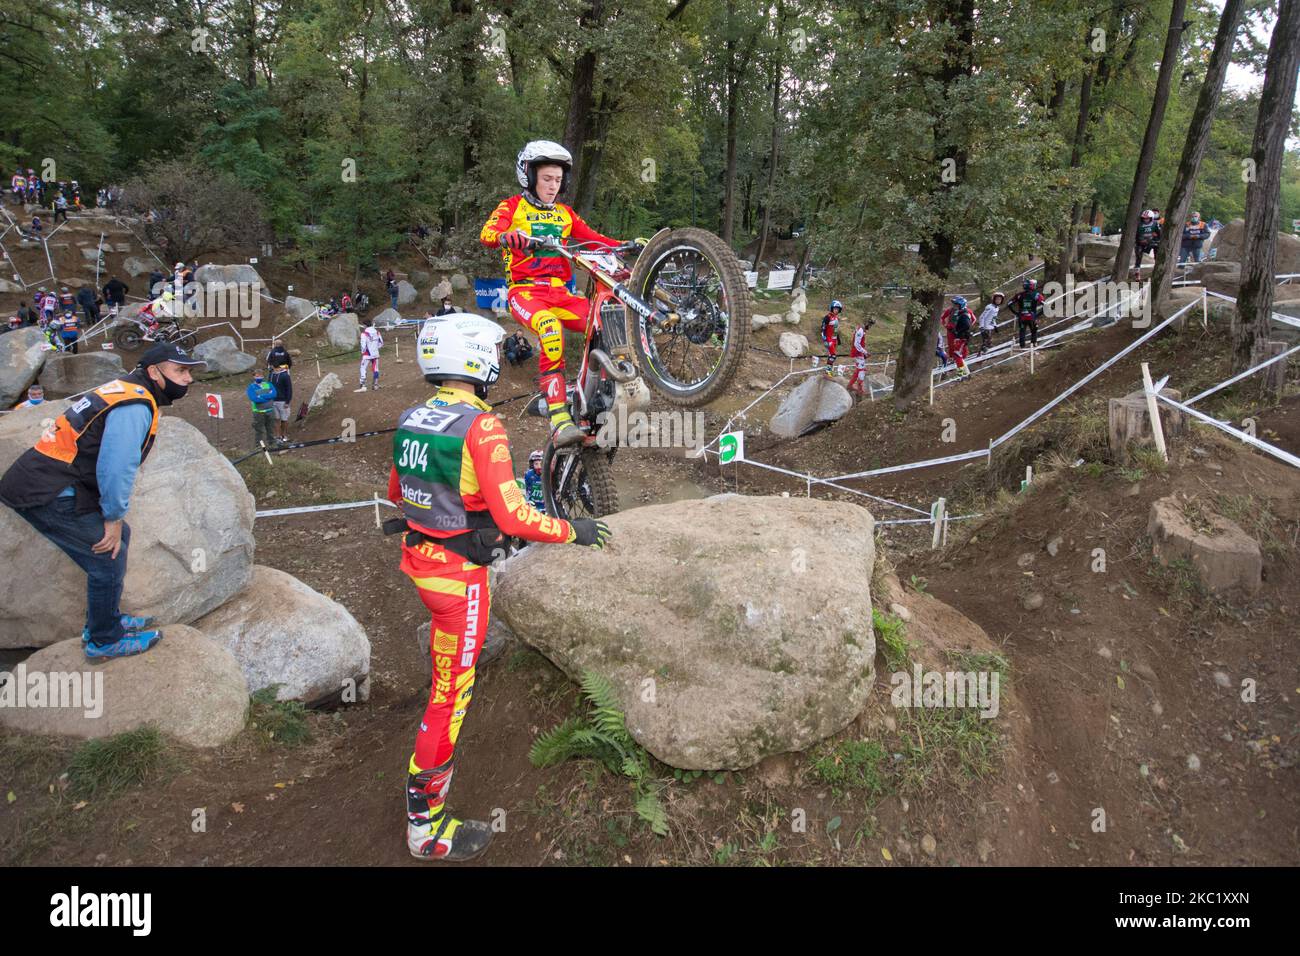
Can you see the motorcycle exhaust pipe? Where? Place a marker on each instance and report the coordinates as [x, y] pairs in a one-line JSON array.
[[620, 371]]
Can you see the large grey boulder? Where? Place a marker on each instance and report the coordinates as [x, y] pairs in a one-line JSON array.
[[344, 331], [135, 266], [223, 356], [298, 308], [405, 292], [191, 520], [388, 318], [246, 274], [440, 291], [12, 288], [755, 640], [1229, 243], [65, 374], [420, 277], [90, 253], [22, 355], [460, 282], [793, 344], [189, 687], [282, 632], [326, 387], [816, 399]]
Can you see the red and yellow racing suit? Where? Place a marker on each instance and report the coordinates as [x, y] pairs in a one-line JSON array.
[[537, 296], [452, 475]]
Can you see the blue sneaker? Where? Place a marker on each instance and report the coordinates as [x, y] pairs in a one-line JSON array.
[[137, 642], [128, 622]]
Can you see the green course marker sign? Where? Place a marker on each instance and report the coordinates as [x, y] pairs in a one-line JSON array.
[[731, 447]]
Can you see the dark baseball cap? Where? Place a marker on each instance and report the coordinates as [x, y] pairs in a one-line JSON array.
[[165, 352]]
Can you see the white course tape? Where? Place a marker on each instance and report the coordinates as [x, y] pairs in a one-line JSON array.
[[1263, 446], [1237, 378], [1090, 376], [1277, 316], [928, 463], [308, 509]]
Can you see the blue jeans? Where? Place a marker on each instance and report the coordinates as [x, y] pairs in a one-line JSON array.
[[75, 534]]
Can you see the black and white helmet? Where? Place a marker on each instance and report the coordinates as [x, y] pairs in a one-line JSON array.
[[541, 152]]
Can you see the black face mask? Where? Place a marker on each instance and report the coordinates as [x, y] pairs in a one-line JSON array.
[[168, 392]]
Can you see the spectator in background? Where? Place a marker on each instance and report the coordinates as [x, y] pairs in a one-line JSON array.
[[1194, 235], [278, 356], [38, 228], [517, 348], [115, 291], [261, 394], [447, 307], [35, 396], [26, 315], [60, 206], [391, 284], [283, 396], [156, 284], [89, 303]]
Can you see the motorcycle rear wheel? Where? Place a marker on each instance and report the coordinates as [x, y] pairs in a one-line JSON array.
[[578, 483]]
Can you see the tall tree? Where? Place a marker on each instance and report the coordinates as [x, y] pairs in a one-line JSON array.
[[1263, 192], [952, 66], [1147, 155], [1198, 137]]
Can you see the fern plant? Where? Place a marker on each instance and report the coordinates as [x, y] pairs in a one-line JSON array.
[[602, 735]]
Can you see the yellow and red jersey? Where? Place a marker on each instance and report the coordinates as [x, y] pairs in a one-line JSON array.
[[560, 220], [451, 462]]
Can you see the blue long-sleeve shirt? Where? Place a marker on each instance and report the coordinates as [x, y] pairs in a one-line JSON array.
[[261, 394], [125, 430]]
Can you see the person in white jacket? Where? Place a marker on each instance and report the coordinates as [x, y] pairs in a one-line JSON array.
[[371, 343]]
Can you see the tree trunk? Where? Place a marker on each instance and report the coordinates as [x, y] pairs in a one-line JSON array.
[[807, 247], [1137, 198], [1198, 138], [584, 188], [735, 71], [916, 351], [775, 152], [1067, 239], [582, 96], [1263, 193], [468, 58]]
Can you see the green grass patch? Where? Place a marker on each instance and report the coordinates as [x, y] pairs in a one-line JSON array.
[[891, 637], [101, 769], [295, 480], [852, 766], [281, 723]]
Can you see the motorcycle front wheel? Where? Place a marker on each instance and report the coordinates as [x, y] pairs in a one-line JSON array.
[[692, 358]]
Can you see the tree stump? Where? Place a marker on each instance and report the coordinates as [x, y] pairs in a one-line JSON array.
[[1130, 423]]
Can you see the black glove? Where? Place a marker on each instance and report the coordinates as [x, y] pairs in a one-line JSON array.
[[590, 533]]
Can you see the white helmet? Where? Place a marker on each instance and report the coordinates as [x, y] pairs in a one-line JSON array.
[[461, 348], [541, 151]]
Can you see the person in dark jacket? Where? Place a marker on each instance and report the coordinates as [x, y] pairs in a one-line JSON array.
[[89, 303], [283, 398], [278, 356], [115, 291], [74, 487]]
